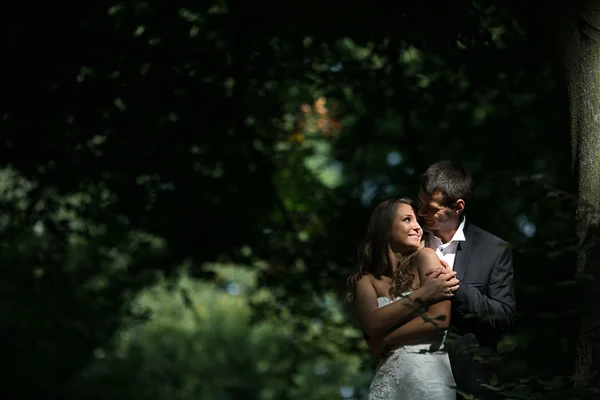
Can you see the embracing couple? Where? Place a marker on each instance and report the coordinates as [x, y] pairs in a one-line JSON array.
[[433, 293]]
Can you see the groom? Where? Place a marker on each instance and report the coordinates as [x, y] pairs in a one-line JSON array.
[[483, 307]]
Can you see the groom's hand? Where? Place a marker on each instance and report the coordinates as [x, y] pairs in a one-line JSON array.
[[437, 272], [439, 285]]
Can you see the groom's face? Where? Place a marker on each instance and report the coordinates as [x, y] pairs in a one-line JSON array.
[[434, 214]]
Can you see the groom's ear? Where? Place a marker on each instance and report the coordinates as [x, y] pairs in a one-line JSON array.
[[459, 207]]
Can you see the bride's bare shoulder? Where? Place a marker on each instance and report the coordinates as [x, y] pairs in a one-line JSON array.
[[428, 257], [366, 279], [426, 252]]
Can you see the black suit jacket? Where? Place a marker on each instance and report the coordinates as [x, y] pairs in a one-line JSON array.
[[483, 308], [484, 304]]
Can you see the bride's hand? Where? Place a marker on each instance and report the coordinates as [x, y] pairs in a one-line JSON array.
[[387, 352], [376, 346]]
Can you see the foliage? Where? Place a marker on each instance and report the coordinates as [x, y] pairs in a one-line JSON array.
[[187, 133], [67, 275], [197, 341]]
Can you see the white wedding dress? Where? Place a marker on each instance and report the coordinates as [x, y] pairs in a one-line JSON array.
[[414, 372]]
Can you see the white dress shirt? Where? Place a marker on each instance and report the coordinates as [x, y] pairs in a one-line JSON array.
[[447, 251]]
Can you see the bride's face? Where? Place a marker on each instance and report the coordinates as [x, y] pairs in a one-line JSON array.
[[406, 231]]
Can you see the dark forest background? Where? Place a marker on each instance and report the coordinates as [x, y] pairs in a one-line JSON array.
[[184, 184]]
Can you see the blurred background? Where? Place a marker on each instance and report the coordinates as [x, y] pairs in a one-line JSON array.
[[184, 184]]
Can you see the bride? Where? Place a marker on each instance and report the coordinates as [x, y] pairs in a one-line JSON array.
[[400, 294]]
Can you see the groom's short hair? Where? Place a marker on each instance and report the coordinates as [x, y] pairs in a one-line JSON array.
[[449, 178]]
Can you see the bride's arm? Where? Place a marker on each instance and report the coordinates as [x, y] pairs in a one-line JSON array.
[[433, 321], [375, 321]]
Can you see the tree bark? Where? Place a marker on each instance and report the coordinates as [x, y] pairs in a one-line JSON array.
[[580, 57]]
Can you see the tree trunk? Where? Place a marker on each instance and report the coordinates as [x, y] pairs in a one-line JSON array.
[[580, 57]]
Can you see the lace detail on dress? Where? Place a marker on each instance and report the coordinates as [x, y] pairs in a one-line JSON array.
[[384, 301], [413, 372]]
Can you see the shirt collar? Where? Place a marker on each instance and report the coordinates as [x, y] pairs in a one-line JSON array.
[[459, 235]]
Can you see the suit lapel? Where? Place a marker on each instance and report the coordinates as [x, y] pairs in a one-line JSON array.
[[462, 252]]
